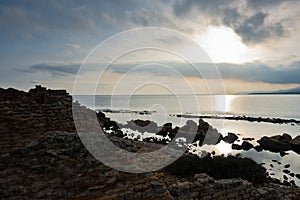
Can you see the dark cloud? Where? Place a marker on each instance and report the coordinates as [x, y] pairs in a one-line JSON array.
[[246, 18], [254, 29], [47, 18], [33, 18], [250, 72], [55, 69], [266, 3]]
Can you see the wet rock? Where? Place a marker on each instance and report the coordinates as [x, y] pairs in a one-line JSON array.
[[230, 138], [247, 146], [248, 139], [285, 138], [274, 145], [287, 166], [258, 148], [142, 126], [205, 133], [283, 153], [286, 171], [236, 147], [167, 129], [295, 143]]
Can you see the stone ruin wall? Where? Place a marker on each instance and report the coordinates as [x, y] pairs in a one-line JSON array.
[[24, 116]]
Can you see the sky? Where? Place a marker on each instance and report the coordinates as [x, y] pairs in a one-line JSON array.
[[253, 44]]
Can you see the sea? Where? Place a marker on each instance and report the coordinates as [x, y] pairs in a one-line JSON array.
[[165, 108]]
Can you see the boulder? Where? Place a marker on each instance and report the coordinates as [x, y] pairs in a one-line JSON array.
[[285, 138], [258, 148], [273, 144], [236, 147], [247, 146], [286, 171], [165, 130], [142, 126], [206, 134], [295, 144], [230, 138]]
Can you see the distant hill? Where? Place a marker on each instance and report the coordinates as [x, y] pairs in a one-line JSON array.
[[289, 91]]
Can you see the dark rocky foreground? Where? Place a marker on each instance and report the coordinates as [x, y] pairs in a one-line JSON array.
[[43, 158], [57, 166]]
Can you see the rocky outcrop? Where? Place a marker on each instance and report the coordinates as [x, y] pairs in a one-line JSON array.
[[246, 146], [295, 144], [230, 138], [206, 134], [167, 129], [280, 143], [25, 115], [57, 166], [273, 144]]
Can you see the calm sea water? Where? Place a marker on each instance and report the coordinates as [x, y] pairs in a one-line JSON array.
[[281, 106], [284, 106]]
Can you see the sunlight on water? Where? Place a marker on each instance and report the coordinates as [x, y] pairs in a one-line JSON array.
[[224, 148], [223, 103]]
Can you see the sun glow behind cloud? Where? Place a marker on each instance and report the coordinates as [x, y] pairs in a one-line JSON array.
[[222, 44]]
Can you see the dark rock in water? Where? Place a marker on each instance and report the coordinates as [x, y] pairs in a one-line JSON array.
[[142, 126], [295, 143], [236, 147], [274, 145], [258, 148], [286, 183], [206, 134], [283, 153], [166, 130], [285, 138], [286, 171], [274, 161], [298, 176], [292, 174], [100, 115], [292, 182], [287, 166], [285, 177], [230, 138], [271, 165], [247, 146], [248, 139], [279, 163]]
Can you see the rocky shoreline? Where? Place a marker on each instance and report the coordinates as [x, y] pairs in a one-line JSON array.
[[42, 157], [244, 118]]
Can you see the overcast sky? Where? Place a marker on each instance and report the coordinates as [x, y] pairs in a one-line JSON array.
[[254, 43]]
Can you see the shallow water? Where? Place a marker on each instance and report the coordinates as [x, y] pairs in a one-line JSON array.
[[273, 106]]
